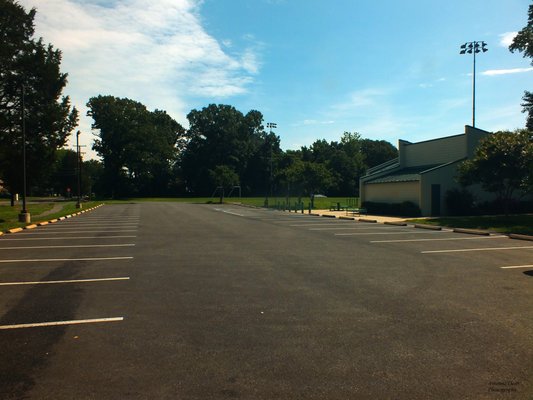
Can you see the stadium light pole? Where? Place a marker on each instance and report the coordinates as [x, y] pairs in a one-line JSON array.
[[78, 156], [271, 125], [473, 48], [24, 215]]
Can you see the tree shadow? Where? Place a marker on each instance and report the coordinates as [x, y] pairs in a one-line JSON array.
[[25, 351]]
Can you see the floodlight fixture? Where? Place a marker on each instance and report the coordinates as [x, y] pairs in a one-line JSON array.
[[473, 48]]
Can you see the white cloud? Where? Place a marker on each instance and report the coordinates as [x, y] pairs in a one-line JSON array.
[[492, 72], [507, 38], [156, 52]]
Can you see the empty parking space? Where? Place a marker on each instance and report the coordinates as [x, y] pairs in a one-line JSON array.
[[81, 252], [425, 242]]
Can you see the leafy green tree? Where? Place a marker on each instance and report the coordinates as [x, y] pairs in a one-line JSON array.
[[222, 135], [138, 147], [29, 70], [223, 177], [523, 42], [377, 152], [502, 164], [316, 178], [528, 108]]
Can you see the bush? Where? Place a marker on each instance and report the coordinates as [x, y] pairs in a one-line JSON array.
[[459, 202], [405, 209]]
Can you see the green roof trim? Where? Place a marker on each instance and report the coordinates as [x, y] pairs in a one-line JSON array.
[[409, 174]]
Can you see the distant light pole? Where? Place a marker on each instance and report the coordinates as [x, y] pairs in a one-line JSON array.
[[474, 48], [24, 215], [271, 125], [78, 204]]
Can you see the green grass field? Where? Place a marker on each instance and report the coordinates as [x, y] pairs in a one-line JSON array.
[[521, 224], [321, 203]]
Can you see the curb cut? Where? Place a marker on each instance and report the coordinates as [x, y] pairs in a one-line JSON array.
[[520, 237], [471, 231], [430, 227]]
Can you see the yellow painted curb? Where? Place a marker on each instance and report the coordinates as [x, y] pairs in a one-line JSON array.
[[53, 220], [14, 230], [43, 223], [32, 226]]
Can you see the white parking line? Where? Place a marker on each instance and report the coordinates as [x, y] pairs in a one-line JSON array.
[[357, 228], [430, 240], [324, 224], [51, 232], [67, 281], [60, 323], [3, 239], [67, 246], [518, 266], [393, 233], [67, 259], [480, 249], [229, 212]]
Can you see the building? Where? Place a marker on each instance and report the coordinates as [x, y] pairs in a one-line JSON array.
[[423, 173]]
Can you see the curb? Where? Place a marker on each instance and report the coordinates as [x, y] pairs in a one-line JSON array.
[[35, 225], [471, 231], [328, 216], [373, 221], [348, 218], [520, 237], [395, 223], [314, 214], [430, 227]]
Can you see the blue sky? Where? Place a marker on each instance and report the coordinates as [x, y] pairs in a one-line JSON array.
[[386, 69]]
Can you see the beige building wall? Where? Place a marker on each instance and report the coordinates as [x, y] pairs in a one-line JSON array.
[[438, 151], [393, 192]]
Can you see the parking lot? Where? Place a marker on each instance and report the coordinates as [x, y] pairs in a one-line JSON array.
[[166, 300]]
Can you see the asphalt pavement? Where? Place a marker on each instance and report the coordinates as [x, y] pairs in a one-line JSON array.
[[184, 301]]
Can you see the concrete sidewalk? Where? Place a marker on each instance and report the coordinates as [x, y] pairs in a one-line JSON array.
[[378, 218]]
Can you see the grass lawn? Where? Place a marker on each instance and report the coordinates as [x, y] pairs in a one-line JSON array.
[[521, 224], [9, 215], [321, 203]]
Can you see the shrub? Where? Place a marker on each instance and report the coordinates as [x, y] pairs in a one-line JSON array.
[[405, 209], [459, 202]]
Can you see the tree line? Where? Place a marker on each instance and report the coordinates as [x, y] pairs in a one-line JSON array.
[[148, 153]]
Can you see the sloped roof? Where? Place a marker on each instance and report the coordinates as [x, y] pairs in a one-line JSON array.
[[409, 174]]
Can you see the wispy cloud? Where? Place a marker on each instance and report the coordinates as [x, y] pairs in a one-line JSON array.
[[492, 72], [156, 52], [507, 38]]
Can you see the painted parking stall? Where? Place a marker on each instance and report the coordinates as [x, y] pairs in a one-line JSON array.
[[82, 251]]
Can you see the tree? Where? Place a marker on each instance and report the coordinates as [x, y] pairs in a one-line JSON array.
[[29, 70], [502, 164], [377, 152], [223, 177], [138, 147], [222, 135], [528, 107], [523, 42]]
